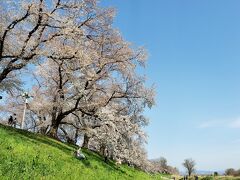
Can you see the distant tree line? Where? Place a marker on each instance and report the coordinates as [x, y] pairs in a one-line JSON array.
[[160, 165], [232, 172]]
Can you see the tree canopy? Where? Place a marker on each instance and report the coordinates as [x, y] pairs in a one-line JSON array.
[[85, 84]]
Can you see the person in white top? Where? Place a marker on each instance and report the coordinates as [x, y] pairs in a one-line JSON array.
[[79, 154]]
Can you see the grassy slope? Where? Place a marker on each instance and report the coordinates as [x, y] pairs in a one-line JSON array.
[[217, 178], [24, 155]]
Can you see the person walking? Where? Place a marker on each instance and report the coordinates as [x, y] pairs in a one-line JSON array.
[[10, 121], [14, 120]]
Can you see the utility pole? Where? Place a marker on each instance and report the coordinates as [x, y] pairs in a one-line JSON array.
[[26, 97]]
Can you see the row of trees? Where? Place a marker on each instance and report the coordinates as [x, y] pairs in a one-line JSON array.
[[160, 165], [84, 82], [232, 172]]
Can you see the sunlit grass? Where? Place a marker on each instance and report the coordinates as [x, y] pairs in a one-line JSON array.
[[25, 155]]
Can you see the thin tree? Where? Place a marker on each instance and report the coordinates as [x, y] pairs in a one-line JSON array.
[[189, 164]]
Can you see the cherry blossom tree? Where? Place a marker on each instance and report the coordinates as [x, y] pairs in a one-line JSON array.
[[28, 29], [85, 80]]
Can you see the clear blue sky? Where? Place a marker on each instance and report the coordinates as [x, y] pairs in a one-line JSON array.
[[194, 61]]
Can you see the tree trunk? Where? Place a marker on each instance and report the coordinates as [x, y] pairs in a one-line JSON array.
[[105, 159], [56, 120], [85, 141], [104, 153], [102, 150], [69, 139], [53, 129], [53, 132], [76, 136]]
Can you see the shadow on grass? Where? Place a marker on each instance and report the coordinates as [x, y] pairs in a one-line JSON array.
[[38, 138], [110, 165], [86, 162], [67, 148]]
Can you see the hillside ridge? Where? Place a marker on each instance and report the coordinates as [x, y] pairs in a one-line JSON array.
[[26, 155]]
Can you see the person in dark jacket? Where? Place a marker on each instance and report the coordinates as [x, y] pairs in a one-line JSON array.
[[10, 120], [15, 120]]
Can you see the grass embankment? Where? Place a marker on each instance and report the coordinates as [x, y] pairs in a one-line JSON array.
[[218, 178], [25, 155]]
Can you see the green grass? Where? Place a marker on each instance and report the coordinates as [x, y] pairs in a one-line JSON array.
[[216, 178], [219, 178], [25, 155]]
